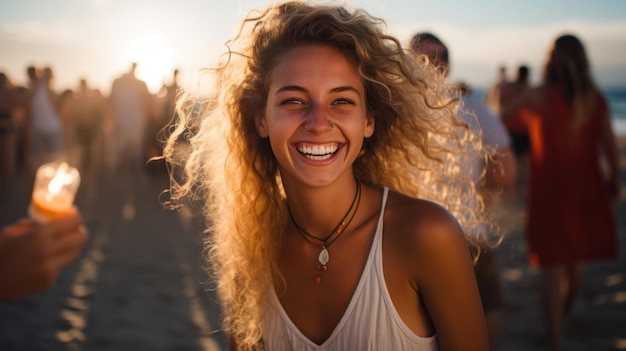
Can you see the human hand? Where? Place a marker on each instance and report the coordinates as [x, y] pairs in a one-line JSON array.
[[32, 254]]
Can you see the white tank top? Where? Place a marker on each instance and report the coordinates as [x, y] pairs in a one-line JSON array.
[[370, 322]]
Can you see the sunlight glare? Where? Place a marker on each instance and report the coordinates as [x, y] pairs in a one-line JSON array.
[[154, 61]]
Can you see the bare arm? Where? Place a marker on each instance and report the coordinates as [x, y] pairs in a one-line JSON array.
[[447, 283], [609, 147]]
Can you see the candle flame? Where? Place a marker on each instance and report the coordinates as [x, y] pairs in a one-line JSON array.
[[60, 178]]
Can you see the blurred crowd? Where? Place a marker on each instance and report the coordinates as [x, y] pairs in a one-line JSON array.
[[558, 132], [82, 126]]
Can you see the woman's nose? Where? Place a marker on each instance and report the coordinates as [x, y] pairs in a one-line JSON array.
[[318, 120]]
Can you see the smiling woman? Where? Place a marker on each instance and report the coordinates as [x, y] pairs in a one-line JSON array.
[[154, 61]]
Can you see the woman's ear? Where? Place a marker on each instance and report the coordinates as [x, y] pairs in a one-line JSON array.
[[261, 128], [369, 126]]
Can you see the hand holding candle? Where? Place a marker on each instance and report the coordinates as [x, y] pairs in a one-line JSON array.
[[32, 255], [54, 191]]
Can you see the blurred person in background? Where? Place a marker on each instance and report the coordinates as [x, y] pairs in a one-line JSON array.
[[164, 116], [570, 219], [86, 122], [8, 136], [516, 123], [492, 96], [46, 129], [131, 105]]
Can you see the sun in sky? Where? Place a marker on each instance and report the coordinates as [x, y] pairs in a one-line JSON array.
[[154, 61]]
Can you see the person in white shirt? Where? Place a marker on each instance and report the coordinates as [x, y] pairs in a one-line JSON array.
[[46, 127]]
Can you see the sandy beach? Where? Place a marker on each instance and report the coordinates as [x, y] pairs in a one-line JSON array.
[[139, 283]]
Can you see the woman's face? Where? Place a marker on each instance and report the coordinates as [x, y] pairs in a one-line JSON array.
[[315, 116]]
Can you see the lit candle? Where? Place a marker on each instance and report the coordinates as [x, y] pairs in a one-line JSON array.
[[54, 191]]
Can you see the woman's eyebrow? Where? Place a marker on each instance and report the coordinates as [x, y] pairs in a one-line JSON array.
[[333, 90], [291, 88], [345, 88]]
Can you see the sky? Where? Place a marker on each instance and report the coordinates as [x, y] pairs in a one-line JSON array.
[[98, 39]]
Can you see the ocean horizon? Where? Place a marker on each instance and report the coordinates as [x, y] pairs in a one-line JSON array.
[[617, 103]]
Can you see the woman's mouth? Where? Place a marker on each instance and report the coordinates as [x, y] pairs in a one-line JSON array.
[[317, 152]]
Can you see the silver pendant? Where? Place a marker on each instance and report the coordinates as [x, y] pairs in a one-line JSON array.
[[323, 257]]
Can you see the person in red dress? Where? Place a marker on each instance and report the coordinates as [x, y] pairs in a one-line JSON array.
[[570, 219]]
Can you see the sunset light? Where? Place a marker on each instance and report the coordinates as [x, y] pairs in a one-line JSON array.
[[154, 61], [208, 175]]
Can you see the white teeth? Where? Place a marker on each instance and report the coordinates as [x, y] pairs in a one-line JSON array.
[[318, 152]]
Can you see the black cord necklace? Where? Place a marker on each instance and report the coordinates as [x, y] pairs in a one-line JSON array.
[[325, 243]]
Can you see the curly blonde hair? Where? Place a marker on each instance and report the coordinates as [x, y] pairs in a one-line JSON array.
[[418, 147]]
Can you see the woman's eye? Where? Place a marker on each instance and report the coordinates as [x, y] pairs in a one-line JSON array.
[[343, 102], [292, 101]]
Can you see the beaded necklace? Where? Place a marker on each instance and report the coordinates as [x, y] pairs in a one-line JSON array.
[[325, 243]]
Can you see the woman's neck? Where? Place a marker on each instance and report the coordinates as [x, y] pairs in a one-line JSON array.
[[318, 209]]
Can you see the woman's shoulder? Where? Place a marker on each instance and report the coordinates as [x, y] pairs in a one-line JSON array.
[[399, 204], [422, 239], [417, 224]]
